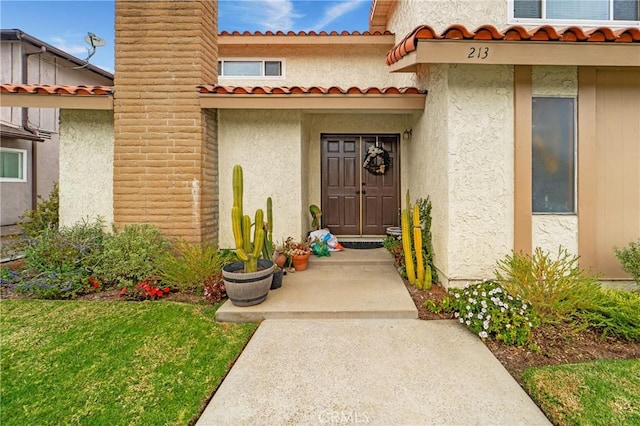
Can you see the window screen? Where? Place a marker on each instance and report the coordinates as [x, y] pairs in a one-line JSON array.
[[596, 10], [553, 155]]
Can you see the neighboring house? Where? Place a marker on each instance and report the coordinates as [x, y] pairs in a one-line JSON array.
[[523, 129], [29, 136]]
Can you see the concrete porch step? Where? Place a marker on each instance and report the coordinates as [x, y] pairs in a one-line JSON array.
[[359, 284]]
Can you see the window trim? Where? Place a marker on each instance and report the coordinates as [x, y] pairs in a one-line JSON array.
[[24, 153], [566, 22], [575, 156], [282, 75]]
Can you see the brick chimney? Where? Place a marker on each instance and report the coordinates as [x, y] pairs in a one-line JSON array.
[[166, 150]]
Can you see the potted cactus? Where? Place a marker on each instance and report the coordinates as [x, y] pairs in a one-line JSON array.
[[248, 281]]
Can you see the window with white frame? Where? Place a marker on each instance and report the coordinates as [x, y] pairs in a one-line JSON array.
[[13, 165], [251, 68], [567, 12], [553, 140]]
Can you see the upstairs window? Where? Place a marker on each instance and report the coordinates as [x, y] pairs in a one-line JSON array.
[[251, 68], [13, 165], [587, 12]]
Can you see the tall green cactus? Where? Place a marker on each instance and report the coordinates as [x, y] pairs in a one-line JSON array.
[[268, 248], [247, 251], [406, 243]]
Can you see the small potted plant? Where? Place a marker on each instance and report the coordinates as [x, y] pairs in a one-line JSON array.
[[247, 282], [298, 253]]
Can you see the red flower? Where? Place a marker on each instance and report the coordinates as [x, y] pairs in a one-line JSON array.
[[96, 284], [123, 291], [167, 290]]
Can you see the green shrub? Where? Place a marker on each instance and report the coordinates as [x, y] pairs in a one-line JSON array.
[[614, 312], [131, 255], [557, 288], [630, 259], [490, 312], [60, 262], [44, 216], [192, 265]]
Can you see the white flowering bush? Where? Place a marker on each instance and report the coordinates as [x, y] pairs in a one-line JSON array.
[[487, 310]]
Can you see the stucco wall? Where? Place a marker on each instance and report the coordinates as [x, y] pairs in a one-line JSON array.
[[480, 168], [86, 166], [337, 65], [551, 231], [267, 144], [425, 163], [439, 14]]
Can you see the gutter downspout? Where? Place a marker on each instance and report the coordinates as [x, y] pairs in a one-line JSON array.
[[25, 122]]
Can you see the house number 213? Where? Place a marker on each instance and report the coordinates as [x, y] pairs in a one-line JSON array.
[[478, 53]]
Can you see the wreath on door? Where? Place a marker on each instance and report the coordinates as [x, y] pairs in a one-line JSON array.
[[377, 161]]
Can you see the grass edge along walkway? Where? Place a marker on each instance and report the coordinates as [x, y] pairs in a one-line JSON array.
[[597, 392], [106, 363]]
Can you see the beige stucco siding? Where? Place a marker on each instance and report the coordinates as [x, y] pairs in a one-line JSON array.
[[267, 144], [326, 66], [440, 14], [425, 170], [86, 166], [549, 231], [480, 168]]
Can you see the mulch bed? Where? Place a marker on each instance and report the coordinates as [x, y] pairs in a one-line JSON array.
[[558, 345]]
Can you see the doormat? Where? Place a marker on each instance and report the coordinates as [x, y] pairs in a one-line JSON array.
[[361, 245]]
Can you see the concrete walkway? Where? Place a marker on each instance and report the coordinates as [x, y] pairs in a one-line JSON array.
[[326, 368]]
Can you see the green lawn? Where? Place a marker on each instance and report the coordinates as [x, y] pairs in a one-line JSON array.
[[111, 363], [604, 392]]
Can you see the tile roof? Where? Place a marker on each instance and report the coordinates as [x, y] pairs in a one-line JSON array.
[[304, 33], [46, 89], [313, 90], [512, 33]]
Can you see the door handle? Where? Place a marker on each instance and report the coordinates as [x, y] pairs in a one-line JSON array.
[[361, 192]]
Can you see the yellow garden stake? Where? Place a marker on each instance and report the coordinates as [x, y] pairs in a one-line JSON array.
[[406, 245], [417, 243]]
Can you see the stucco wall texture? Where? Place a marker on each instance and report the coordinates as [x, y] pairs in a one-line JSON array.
[[326, 66], [266, 143], [86, 166], [408, 14]]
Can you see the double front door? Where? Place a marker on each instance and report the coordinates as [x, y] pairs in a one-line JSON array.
[[356, 202]]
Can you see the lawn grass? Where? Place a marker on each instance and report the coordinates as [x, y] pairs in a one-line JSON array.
[[108, 363], [603, 392]]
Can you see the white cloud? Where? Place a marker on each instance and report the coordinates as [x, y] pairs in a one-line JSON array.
[[79, 50], [264, 15], [334, 12]]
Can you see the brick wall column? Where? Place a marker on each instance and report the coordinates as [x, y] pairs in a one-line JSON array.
[[165, 154]]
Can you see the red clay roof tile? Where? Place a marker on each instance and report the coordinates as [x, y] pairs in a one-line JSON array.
[[313, 90], [56, 89], [303, 33], [513, 33]]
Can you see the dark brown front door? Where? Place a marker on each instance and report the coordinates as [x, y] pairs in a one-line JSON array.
[[354, 201]]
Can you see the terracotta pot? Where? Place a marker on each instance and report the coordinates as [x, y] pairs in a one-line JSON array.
[[300, 262], [281, 260]]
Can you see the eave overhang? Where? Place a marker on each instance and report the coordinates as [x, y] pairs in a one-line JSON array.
[[28, 100], [493, 52], [389, 100]]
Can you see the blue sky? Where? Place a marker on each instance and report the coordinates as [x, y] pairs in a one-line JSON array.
[[64, 24]]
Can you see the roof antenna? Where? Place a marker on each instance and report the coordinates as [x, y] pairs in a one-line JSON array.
[[94, 41]]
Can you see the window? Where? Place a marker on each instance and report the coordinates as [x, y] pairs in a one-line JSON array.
[[606, 12], [13, 165], [247, 68], [553, 155]]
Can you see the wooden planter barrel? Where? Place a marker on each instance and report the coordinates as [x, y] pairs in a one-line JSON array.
[[248, 288]]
